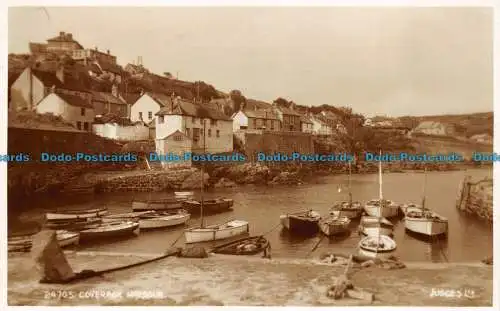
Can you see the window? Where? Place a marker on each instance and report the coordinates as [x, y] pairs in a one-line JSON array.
[[86, 126], [150, 115], [188, 132], [218, 133], [140, 115], [161, 119], [272, 125], [254, 123], [201, 131], [178, 138], [193, 120], [82, 111], [209, 133], [79, 125], [213, 122]]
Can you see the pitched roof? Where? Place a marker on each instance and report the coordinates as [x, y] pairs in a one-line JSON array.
[[176, 133], [261, 114], [50, 79], [289, 111], [131, 98], [114, 68], [186, 108], [106, 98], [113, 118], [305, 119], [74, 100], [162, 99]]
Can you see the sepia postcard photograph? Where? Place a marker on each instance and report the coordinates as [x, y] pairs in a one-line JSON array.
[[278, 156]]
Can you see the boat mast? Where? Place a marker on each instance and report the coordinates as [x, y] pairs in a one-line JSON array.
[[424, 190], [350, 192], [202, 186]]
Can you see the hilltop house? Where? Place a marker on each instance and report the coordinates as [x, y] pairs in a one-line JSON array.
[[63, 43], [434, 128], [191, 119], [74, 109], [31, 86], [290, 119], [255, 119], [87, 56]]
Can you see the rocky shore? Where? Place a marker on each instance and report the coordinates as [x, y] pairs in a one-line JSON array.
[[252, 281]]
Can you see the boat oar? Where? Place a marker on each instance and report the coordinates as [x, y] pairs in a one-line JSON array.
[[315, 246]]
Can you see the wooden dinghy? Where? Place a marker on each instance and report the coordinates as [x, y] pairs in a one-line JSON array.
[[375, 226], [352, 210], [302, 222], [156, 205], [217, 232], [213, 206], [184, 195], [334, 224], [76, 214], [412, 207], [73, 224], [24, 243], [374, 247], [163, 220], [110, 230], [246, 246]]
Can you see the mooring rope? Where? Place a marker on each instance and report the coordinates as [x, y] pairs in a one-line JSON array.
[[272, 229], [315, 246], [436, 239]]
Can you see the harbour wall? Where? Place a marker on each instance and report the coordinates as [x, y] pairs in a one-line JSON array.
[[476, 197]]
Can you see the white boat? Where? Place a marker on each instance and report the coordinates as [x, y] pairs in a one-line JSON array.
[[412, 207], [381, 207], [162, 220], [425, 222], [377, 246], [76, 214], [334, 224], [374, 226], [217, 232], [66, 238]]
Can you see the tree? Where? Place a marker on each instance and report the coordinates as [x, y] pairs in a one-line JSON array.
[[238, 99]]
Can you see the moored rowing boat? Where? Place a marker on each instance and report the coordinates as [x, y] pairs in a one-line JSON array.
[[76, 214]]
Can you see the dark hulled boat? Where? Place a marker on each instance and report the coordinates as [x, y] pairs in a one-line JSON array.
[[110, 230], [74, 224], [213, 206], [156, 205], [246, 246], [301, 223]]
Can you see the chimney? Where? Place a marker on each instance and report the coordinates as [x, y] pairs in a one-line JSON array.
[[142, 92], [96, 49], [60, 73], [70, 36], [114, 90], [107, 51], [61, 34], [53, 89]]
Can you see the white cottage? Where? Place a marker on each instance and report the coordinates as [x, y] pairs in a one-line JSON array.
[[73, 109], [147, 105], [320, 126], [199, 123], [256, 120]]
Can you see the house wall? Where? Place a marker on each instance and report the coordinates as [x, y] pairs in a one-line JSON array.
[[307, 127], [170, 124], [21, 92], [291, 123], [123, 133], [178, 147], [53, 46], [144, 104], [239, 120], [321, 128], [105, 108], [55, 105], [274, 142]]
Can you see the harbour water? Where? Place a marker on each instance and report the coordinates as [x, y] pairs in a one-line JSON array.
[[469, 239]]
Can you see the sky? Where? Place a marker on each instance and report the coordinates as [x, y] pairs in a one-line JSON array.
[[378, 61]]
